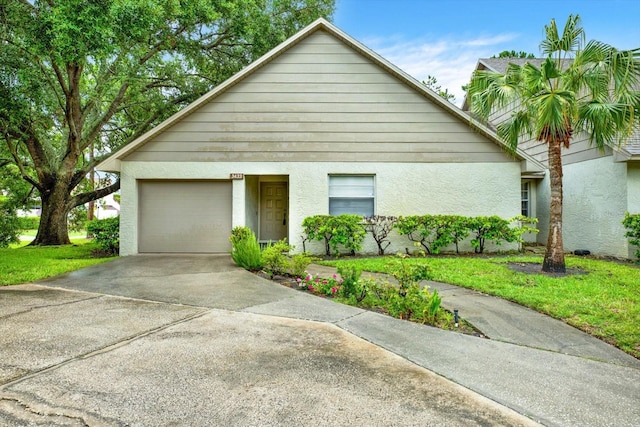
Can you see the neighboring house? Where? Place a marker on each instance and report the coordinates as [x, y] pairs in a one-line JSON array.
[[106, 207], [319, 125], [598, 187]]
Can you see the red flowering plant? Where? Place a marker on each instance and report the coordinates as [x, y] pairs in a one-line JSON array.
[[320, 285]]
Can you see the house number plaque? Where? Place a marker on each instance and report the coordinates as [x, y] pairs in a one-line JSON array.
[[237, 176]]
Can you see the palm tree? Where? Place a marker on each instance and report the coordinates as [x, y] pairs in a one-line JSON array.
[[577, 87]]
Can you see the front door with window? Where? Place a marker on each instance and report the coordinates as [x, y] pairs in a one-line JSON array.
[[273, 211]]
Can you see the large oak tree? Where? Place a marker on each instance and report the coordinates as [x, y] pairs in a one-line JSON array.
[[579, 88], [81, 78]]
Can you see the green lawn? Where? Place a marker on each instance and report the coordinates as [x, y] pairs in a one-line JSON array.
[[24, 264], [604, 301], [32, 233]]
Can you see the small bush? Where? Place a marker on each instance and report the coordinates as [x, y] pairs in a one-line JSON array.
[[274, 258], [350, 277], [521, 226], [9, 226], [106, 234], [632, 224], [299, 264], [320, 285], [490, 228], [245, 249], [345, 230], [407, 274], [380, 227]]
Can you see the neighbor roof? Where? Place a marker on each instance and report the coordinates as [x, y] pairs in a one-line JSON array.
[[112, 163]]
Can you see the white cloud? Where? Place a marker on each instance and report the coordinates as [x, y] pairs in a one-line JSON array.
[[450, 61]]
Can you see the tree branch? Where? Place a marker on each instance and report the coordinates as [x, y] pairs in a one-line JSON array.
[[113, 107], [89, 196], [13, 149]]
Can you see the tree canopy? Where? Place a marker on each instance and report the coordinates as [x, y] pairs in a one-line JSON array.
[[513, 54], [81, 78], [591, 89]]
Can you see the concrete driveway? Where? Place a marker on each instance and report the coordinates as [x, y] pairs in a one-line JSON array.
[[194, 340]]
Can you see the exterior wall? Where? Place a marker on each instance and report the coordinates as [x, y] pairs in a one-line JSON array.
[[633, 197], [318, 102], [595, 200], [401, 189], [633, 187], [252, 202]]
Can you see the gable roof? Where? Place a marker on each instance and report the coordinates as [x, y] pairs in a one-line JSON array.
[[112, 163]]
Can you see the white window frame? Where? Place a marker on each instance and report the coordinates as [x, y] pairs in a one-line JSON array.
[[525, 197], [355, 188]]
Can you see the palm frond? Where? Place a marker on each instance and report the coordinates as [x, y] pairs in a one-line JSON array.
[[572, 37], [606, 123], [490, 90], [514, 128], [555, 110]]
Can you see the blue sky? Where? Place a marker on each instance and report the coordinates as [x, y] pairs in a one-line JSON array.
[[445, 38]]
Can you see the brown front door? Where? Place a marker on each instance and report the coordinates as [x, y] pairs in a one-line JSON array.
[[273, 211]]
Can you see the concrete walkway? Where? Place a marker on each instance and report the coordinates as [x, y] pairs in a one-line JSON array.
[[193, 340]]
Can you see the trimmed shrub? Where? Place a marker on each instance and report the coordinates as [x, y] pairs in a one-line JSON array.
[[245, 249], [345, 230], [380, 227], [490, 228], [432, 232], [106, 234], [632, 223]]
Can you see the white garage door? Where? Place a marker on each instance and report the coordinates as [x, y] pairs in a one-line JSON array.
[[184, 216]]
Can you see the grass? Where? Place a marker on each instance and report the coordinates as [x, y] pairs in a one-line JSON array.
[[25, 264], [603, 299], [32, 233]]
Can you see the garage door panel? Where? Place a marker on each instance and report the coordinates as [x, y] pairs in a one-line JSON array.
[[184, 216]]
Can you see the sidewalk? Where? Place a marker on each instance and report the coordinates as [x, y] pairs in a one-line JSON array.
[[502, 320]]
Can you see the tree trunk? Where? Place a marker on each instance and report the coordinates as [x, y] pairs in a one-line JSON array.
[[554, 255], [53, 219]]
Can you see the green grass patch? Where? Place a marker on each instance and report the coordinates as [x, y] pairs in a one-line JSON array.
[[32, 233], [24, 264], [601, 297]]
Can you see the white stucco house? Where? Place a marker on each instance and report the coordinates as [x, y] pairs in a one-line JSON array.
[[319, 125], [598, 186]]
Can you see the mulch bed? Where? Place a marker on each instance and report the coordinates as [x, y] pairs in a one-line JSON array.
[[536, 268]]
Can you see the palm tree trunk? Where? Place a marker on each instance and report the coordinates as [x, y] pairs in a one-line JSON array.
[[554, 255]]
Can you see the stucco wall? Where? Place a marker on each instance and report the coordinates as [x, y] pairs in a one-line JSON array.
[[595, 199], [633, 196], [401, 189]]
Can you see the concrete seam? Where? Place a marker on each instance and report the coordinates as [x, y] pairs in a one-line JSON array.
[[104, 349], [51, 305]]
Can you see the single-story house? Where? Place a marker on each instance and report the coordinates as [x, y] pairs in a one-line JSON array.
[[319, 125], [598, 186]]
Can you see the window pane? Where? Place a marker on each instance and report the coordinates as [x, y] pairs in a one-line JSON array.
[[358, 206], [351, 194], [351, 186], [525, 198]]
